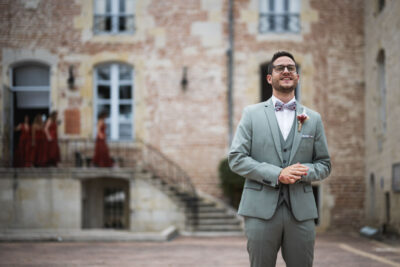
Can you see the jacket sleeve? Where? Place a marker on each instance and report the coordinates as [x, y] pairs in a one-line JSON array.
[[240, 160], [320, 167]]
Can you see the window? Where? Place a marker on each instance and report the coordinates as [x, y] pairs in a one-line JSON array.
[[279, 16], [114, 16], [382, 89], [114, 95], [372, 196], [396, 177], [380, 5], [31, 82]]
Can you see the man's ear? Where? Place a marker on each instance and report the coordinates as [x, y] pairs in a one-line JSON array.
[[269, 78]]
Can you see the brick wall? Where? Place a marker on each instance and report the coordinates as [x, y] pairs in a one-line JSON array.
[[190, 125], [331, 57]]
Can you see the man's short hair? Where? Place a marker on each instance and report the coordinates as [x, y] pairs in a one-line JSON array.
[[278, 55]]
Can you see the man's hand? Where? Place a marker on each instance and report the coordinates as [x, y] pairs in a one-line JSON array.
[[292, 173]]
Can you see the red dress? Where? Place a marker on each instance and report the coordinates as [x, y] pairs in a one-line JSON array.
[[53, 150], [23, 152], [39, 149], [101, 156]]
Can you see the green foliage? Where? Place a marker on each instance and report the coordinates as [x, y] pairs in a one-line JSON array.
[[231, 183]]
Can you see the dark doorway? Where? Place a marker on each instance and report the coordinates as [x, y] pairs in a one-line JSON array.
[[387, 207], [266, 88], [105, 203], [19, 115], [30, 86]]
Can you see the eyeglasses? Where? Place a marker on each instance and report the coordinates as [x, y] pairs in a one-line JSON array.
[[281, 68]]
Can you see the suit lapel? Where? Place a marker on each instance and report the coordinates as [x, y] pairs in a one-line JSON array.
[[273, 126], [297, 134]]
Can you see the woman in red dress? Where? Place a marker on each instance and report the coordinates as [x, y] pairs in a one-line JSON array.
[[22, 157], [39, 143], [101, 156], [53, 150]]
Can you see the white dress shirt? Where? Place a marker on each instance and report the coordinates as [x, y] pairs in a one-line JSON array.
[[284, 117]]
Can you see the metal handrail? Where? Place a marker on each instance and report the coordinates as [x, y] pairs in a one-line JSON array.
[[78, 153], [279, 22], [166, 169]]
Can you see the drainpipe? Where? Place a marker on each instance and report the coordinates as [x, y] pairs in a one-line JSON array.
[[230, 71]]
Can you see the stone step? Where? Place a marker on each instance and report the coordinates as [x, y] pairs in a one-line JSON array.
[[220, 221], [218, 228], [202, 203], [212, 215], [201, 209]]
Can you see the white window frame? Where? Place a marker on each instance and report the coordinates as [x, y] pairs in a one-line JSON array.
[[114, 120], [274, 13], [115, 13]]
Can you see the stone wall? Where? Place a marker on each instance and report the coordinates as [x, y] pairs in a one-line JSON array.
[[382, 150], [53, 199]]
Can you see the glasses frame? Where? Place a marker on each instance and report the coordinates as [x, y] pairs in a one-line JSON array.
[[285, 67]]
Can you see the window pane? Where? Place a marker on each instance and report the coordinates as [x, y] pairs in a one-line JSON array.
[[31, 75], [125, 72], [122, 6], [125, 92], [100, 6], [125, 112], [108, 130], [102, 23], [122, 24], [125, 131], [130, 6], [103, 73], [33, 99], [103, 92], [108, 6], [103, 108]]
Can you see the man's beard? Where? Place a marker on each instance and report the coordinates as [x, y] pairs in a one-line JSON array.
[[283, 89]]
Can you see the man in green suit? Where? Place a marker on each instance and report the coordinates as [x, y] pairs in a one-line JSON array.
[[280, 148]]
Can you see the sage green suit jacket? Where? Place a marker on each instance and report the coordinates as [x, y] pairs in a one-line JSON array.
[[256, 154]]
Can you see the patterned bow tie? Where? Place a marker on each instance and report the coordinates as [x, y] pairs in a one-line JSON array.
[[279, 106]]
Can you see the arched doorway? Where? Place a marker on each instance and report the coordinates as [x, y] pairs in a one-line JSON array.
[[30, 94]]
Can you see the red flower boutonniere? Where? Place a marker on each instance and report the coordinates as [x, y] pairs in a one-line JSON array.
[[302, 118]]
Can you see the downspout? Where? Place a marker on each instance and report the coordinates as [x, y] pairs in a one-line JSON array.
[[230, 71]]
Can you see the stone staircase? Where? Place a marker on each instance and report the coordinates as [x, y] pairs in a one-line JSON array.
[[202, 215]]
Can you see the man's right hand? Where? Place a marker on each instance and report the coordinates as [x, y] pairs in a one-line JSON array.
[[292, 173]]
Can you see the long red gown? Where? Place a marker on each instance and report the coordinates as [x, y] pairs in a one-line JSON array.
[[23, 152], [53, 150], [101, 156], [39, 149]]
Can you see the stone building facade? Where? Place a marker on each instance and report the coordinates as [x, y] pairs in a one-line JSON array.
[[382, 99], [175, 54]]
